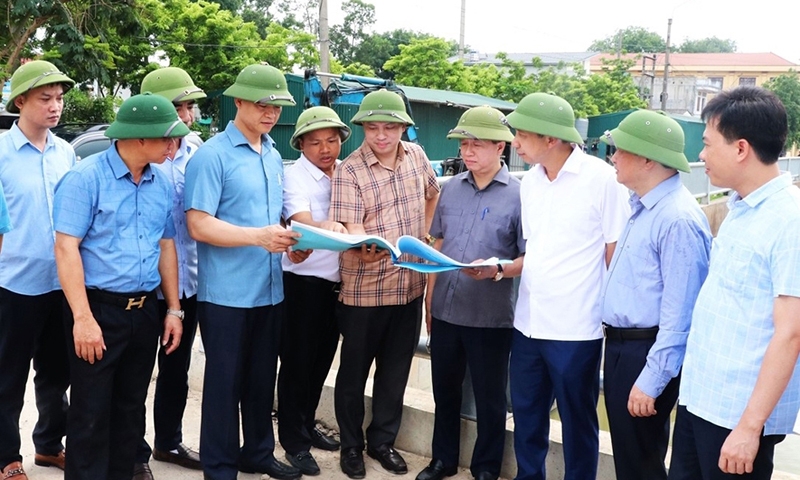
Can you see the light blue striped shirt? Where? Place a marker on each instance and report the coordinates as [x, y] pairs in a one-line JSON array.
[[658, 267], [119, 222], [754, 259], [29, 177]]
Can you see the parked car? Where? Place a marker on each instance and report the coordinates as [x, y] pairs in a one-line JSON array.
[[86, 139]]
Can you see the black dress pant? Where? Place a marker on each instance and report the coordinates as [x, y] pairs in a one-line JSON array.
[[387, 335], [32, 327], [639, 443], [696, 444], [172, 385], [104, 426], [486, 351], [241, 346], [309, 337]]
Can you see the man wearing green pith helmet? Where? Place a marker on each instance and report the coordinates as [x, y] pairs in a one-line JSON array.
[[234, 198]]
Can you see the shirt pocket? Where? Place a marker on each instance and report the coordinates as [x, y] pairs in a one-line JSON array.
[[642, 264]]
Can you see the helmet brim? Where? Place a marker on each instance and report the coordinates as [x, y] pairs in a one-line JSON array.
[[637, 146]]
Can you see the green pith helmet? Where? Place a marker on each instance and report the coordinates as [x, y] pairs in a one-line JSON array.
[[652, 135], [317, 118], [482, 123], [261, 84], [382, 106], [147, 116], [546, 114], [32, 75], [172, 83]]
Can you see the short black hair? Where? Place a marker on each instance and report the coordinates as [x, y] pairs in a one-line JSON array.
[[753, 114]]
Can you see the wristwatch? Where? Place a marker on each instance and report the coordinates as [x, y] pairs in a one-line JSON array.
[[176, 313], [499, 275]]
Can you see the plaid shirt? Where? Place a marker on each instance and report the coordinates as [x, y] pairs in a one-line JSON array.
[[389, 203]]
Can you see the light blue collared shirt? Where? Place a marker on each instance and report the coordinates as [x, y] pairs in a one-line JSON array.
[[755, 258], [29, 177], [5, 221], [119, 222], [232, 182], [185, 246], [660, 262]]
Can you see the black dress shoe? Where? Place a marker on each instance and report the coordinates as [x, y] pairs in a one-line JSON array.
[[304, 462], [389, 458], [352, 463], [141, 471], [275, 469], [485, 476], [436, 470], [183, 456], [323, 442]]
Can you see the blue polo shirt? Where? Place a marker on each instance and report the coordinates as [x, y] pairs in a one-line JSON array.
[[229, 180], [5, 222], [29, 177], [119, 222]]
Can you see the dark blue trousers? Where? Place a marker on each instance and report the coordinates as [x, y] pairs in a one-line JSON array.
[[696, 444], [569, 373], [241, 347], [32, 327], [486, 351], [639, 443], [309, 338], [172, 385]]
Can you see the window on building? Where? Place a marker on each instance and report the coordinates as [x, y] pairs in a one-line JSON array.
[[715, 81], [748, 81], [700, 103]]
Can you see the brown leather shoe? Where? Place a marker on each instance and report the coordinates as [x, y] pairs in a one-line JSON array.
[[50, 460], [183, 456], [141, 471], [13, 470]]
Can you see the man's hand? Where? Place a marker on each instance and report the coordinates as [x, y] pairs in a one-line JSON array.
[[480, 273], [370, 254], [739, 451], [88, 337], [275, 239], [641, 404], [298, 256], [333, 226], [173, 329]]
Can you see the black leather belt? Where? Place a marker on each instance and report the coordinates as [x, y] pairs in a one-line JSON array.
[[616, 333], [128, 301]]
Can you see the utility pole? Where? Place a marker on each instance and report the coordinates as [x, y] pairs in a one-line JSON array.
[[324, 41], [461, 36], [664, 93]]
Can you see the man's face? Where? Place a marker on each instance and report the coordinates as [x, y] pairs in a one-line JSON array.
[[383, 137], [158, 150], [530, 146], [629, 167], [481, 156], [186, 111], [257, 117], [719, 155], [42, 106], [321, 147]]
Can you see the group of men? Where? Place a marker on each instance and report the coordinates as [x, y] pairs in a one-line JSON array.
[[159, 234]]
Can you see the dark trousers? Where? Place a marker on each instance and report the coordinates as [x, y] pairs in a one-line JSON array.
[[389, 336], [696, 444], [241, 346], [640, 443], [32, 327], [309, 338], [107, 398], [569, 372], [486, 351], [172, 385]]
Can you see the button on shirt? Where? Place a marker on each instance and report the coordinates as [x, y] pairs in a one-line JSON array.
[[477, 224], [660, 262], [119, 222], [29, 177], [5, 221], [185, 246], [755, 258], [232, 182], [306, 188], [567, 224]]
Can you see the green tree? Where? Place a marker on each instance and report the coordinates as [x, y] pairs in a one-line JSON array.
[[424, 63], [80, 107], [634, 40], [514, 83], [614, 90], [351, 68], [346, 38], [708, 45], [23, 18], [376, 48], [787, 88]]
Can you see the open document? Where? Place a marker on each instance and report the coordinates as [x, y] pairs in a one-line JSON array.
[[314, 238]]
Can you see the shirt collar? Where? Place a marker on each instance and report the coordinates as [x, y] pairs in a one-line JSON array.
[[660, 191], [502, 176], [761, 193], [312, 169], [19, 139], [118, 167], [571, 165], [237, 137]]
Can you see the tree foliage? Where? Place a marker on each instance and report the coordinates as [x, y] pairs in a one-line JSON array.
[[614, 90], [787, 88], [424, 63], [346, 38], [80, 107], [708, 45], [634, 40], [376, 48]]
